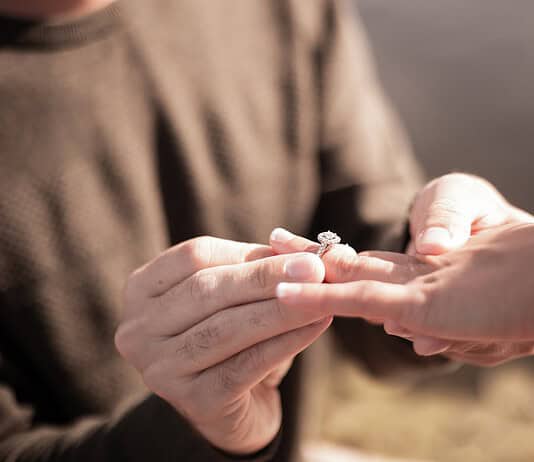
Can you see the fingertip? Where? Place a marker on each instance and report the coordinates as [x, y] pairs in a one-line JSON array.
[[338, 260], [427, 346], [281, 236], [434, 241], [283, 241], [317, 267]]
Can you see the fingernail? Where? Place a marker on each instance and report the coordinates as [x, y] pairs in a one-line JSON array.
[[431, 237], [287, 290], [301, 267], [281, 235], [425, 346]]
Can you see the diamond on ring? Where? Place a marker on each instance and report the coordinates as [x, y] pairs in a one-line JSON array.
[[326, 239]]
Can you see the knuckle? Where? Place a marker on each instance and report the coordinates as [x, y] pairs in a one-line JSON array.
[[199, 252], [347, 267], [251, 359], [227, 379], [236, 372], [202, 286], [279, 312], [256, 320], [445, 212], [355, 269], [259, 277], [191, 345], [444, 207], [185, 348], [205, 337]]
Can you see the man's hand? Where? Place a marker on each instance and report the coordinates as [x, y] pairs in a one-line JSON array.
[[203, 327], [451, 208], [475, 304]]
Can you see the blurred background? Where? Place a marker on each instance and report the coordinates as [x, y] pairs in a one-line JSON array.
[[461, 75]]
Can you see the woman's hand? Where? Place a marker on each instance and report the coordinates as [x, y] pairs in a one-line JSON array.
[[474, 304]]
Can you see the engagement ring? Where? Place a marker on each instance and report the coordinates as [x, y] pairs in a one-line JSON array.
[[326, 239]]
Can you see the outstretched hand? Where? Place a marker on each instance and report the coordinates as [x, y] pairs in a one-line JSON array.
[[473, 304]]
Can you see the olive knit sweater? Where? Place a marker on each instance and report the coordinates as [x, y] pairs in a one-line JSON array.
[[146, 124]]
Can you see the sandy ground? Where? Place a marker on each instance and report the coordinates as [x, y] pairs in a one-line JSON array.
[[488, 418], [325, 452]]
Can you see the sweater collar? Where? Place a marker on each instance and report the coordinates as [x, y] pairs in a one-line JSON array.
[[29, 33]]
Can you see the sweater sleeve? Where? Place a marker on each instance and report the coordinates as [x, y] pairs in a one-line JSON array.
[[147, 430], [367, 167], [369, 177]]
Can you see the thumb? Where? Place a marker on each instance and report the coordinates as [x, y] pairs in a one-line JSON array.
[[450, 208], [442, 216], [441, 232]]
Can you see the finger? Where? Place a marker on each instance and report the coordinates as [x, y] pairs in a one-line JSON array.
[[447, 208], [441, 217], [392, 268], [283, 241], [342, 264], [181, 261], [250, 367], [211, 290], [365, 299], [429, 346], [232, 331]]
